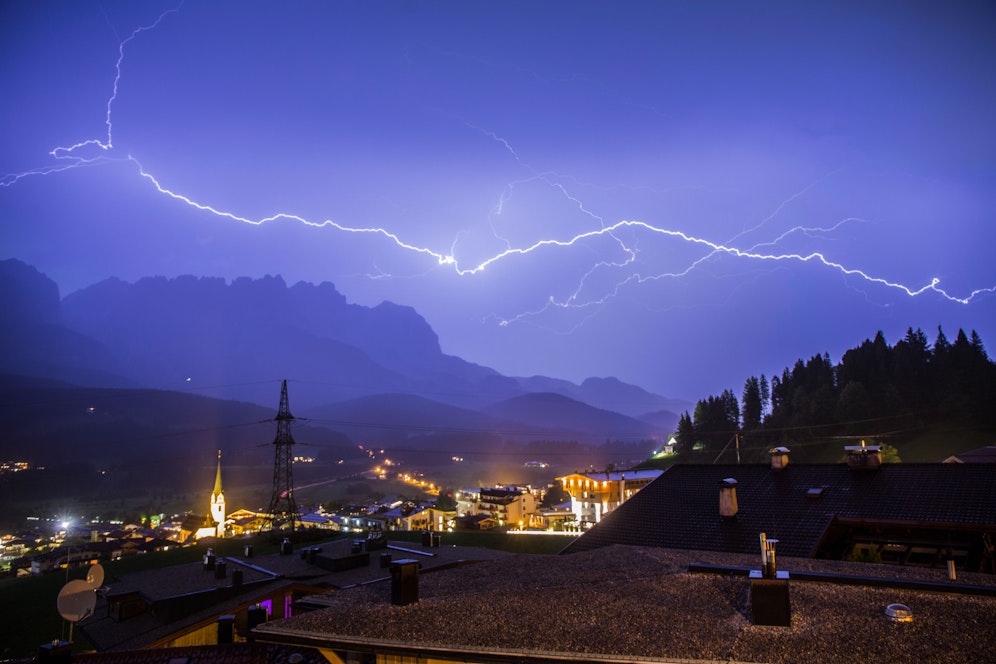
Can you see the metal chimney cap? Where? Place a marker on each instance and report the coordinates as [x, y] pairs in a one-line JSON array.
[[899, 613], [779, 450], [862, 448], [729, 481]]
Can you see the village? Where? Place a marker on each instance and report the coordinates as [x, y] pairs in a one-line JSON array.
[[53, 542]]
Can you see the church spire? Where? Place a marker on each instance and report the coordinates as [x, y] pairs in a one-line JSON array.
[[218, 502], [217, 480]]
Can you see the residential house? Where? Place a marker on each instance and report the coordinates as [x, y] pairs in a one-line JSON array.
[[508, 505], [193, 604], [419, 518]]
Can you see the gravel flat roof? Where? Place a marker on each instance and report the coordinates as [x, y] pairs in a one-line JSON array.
[[642, 604]]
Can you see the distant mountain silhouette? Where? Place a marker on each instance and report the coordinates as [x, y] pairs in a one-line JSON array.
[[608, 394], [234, 335], [35, 341], [396, 417], [374, 368], [570, 418]]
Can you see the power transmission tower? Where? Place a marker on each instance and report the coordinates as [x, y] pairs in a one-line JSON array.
[[283, 510]]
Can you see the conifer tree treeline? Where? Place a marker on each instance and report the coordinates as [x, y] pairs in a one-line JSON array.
[[875, 388]]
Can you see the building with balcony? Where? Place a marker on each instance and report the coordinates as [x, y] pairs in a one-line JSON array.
[[508, 506], [593, 495]]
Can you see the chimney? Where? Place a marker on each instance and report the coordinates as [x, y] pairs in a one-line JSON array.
[[864, 457], [768, 567], [255, 616], [728, 498], [237, 577], [226, 628], [404, 582], [56, 652], [220, 569], [779, 457], [248, 551], [209, 560]]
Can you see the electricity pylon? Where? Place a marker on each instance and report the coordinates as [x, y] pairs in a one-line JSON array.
[[282, 512]]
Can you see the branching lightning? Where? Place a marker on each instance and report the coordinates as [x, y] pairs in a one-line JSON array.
[[70, 157]]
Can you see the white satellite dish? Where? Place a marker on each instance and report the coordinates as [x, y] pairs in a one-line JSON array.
[[76, 600], [95, 576]]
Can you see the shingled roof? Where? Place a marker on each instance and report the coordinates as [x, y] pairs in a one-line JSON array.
[[796, 505]]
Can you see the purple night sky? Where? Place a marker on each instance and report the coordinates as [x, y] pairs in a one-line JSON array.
[[678, 194]]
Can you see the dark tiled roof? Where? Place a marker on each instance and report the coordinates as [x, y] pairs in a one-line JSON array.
[[979, 455], [680, 509], [185, 595]]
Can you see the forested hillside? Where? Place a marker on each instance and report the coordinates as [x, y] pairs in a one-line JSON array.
[[889, 394]]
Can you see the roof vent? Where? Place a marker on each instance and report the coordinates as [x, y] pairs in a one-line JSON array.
[[864, 457], [779, 457], [899, 613], [728, 498], [815, 492]]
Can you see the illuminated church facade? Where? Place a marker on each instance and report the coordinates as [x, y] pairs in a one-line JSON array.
[[214, 524]]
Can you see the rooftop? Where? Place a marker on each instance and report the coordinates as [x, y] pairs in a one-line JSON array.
[[642, 604], [232, 653], [187, 594], [619, 475], [978, 455], [680, 509]]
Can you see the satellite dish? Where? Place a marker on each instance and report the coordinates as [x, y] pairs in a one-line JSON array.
[[95, 576], [76, 600]]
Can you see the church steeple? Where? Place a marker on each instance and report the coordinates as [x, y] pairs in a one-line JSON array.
[[218, 501], [217, 481]]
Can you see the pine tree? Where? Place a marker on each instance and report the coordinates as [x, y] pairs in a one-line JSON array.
[[752, 404], [685, 436]]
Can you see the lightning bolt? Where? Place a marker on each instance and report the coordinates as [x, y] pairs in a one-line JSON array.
[[619, 233], [105, 145]]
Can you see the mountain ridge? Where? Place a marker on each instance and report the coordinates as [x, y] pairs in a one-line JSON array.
[[236, 340]]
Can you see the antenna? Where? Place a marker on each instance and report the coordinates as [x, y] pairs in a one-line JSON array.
[[76, 601], [95, 576], [77, 598]]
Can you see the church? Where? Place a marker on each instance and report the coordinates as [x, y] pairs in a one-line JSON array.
[[214, 523]]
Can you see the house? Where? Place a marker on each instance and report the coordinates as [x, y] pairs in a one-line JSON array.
[[317, 520], [245, 522], [419, 518], [63, 557], [640, 605], [559, 518], [359, 522], [188, 526], [474, 522], [509, 506], [593, 495], [906, 513], [193, 604]]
